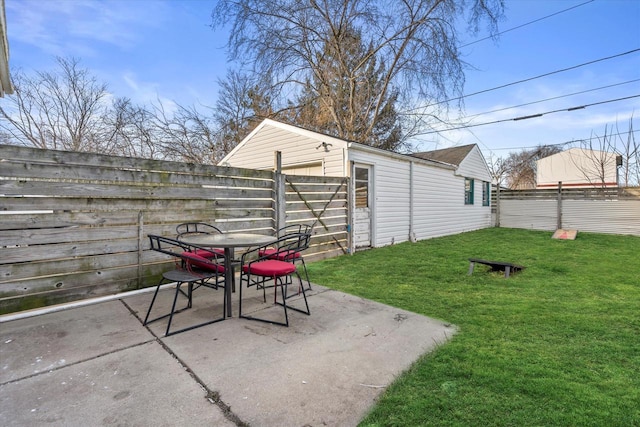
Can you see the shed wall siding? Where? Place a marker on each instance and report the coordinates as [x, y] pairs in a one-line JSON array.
[[258, 152], [438, 204], [439, 208], [391, 198], [474, 166]]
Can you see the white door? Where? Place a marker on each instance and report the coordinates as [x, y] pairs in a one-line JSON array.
[[362, 212]]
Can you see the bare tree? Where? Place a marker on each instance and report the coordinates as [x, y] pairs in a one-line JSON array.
[[601, 158], [343, 98], [629, 149], [130, 130], [498, 168], [412, 45], [596, 160], [68, 109], [243, 102], [185, 135], [520, 168], [60, 110]]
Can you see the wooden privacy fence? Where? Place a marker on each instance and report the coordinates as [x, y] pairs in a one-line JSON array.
[[597, 210], [75, 225]]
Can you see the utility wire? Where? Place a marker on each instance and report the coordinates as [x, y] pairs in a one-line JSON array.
[[528, 23], [532, 116], [531, 78], [560, 143], [554, 98]]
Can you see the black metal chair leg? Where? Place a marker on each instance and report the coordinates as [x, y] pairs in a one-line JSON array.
[[173, 306], [306, 273], [284, 301], [304, 295], [153, 300]]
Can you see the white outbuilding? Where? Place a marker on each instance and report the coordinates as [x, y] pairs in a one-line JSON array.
[[579, 168], [395, 197]]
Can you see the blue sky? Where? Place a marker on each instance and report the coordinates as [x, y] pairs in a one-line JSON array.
[[164, 49]]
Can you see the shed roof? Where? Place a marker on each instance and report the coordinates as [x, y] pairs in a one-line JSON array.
[[453, 155], [333, 140]]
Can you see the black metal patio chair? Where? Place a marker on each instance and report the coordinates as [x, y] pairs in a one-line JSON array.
[[191, 228], [191, 269], [274, 252], [267, 270]]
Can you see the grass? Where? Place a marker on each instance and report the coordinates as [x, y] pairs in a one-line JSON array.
[[557, 344]]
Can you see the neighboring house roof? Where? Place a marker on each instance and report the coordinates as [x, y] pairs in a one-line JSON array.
[[453, 155], [5, 80]]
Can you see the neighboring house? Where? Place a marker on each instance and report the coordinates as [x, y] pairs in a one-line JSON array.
[[578, 168], [5, 79], [396, 198]]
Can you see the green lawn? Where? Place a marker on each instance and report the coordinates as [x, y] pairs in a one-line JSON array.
[[557, 344]]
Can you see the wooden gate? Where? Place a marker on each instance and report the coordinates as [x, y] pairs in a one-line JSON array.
[[321, 202]]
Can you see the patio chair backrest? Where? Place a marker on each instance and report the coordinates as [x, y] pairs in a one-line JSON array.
[[187, 256], [294, 229], [196, 228], [285, 247], [167, 245]]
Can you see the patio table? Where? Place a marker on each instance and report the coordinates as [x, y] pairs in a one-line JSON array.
[[228, 241]]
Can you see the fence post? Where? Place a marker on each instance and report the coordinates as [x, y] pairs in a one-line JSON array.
[[279, 197], [140, 249], [498, 204], [559, 214]]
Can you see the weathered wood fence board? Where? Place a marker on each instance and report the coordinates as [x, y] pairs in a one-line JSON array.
[[321, 202], [74, 225]]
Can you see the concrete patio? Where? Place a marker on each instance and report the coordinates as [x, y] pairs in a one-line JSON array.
[[97, 365]]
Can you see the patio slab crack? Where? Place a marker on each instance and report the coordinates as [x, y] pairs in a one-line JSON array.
[[211, 395]]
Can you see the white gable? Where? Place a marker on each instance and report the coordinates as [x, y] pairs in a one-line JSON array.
[[301, 150], [474, 166]]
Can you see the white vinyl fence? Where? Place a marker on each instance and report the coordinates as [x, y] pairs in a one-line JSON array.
[[597, 210]]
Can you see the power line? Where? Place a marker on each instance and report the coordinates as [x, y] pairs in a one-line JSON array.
[[528, 23], [559, 143], [549, 74], [553, 98], [532, 116], [531, 78]]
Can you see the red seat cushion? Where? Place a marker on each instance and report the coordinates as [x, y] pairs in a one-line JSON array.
[[202, 263], [281, 255], [270, 268], [209, 254]]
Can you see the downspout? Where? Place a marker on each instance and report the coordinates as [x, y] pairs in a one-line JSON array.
[[412, 234]]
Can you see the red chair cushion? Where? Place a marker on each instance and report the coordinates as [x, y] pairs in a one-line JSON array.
[[282, 255], [202, 263], [270, 268], [208, 254]]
